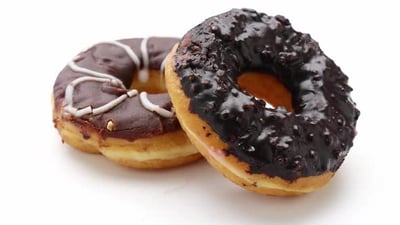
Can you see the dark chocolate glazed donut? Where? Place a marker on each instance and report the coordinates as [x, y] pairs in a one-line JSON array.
[[93, 89], [313, 139]]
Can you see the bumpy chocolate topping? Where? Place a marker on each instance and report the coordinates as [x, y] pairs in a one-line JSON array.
[[129, 119], [313, 139]]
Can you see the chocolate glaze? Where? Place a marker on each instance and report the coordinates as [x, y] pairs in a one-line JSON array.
[[131, 120], [313, 139]]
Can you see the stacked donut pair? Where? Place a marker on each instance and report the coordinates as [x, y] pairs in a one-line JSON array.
[[260, 101]]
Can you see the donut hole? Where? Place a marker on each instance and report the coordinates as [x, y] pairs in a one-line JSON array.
[[154, 85], [266, 87]]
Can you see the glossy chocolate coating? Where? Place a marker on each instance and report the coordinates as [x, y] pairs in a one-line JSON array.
[[313, 139], [130, 119]]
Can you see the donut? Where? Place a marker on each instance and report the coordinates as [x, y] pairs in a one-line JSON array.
[[266, 148], [111, 99]]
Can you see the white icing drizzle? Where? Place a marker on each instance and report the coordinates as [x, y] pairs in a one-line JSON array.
[[104, 78], [128, 50], [144, 72], [79, 69], [69, 108], [104, 108], [147, 104], [70, 88]]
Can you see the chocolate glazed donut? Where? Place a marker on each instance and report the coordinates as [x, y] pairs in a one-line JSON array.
[[116, 64], [312, 140], [101, 104]]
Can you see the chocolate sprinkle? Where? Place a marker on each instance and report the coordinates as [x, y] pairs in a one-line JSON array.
[[313, 139]]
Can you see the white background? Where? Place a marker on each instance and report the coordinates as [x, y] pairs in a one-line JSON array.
[[43, 181]]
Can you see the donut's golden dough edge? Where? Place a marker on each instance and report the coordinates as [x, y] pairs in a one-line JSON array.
[[213, 149], [167, 150]]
